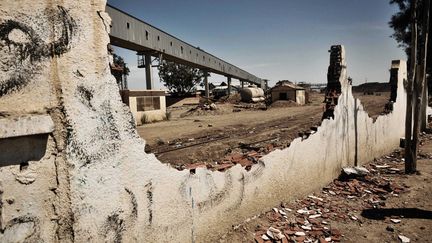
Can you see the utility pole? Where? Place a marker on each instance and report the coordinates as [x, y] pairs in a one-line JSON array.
[[410, 164]]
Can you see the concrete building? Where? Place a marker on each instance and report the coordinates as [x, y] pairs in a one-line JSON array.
[[286, 90], [145, 105]]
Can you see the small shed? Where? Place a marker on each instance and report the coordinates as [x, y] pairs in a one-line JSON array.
[[286, 90], [145, 105]]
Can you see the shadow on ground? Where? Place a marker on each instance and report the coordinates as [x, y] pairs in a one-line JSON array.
[[382, 213]]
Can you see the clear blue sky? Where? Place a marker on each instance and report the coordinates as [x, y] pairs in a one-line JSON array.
[[276, 39]]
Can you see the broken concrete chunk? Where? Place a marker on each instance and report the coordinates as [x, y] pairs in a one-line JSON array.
[[316, 198], [275, 234], [300, 233], [306, 227], [381, 166], [356, 171], [404, 239], [303, 211], [213, 106], [396, 221], [314, 216], [265, 237]]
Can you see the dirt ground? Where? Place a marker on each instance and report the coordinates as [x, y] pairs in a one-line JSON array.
[[236, 133], [373, 104], [382, 206]]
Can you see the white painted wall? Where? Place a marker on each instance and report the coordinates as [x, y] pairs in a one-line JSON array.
[[301, 97], [97, 184]]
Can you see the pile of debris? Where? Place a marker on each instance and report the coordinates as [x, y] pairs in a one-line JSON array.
[[309, 220], [232, 99], [205, 108], [250, 106], [284, 103]]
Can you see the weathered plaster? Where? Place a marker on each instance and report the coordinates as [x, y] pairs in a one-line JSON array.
[[95, 183]]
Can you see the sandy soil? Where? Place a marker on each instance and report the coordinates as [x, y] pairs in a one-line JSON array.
[[373, 104], [210, 138]]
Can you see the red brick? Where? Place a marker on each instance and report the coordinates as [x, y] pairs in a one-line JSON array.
[[322, 240], [300, 221], [259, 239], [300, 238], [244, 162], [336, 238], [289, 232], [236, 156], [223, 167]]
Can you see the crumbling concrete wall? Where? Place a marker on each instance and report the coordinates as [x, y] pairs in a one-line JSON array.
[[95, 182]]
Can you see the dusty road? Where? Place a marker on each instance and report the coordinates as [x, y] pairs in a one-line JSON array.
[[212, 140]]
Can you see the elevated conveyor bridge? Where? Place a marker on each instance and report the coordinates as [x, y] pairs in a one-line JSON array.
[[134, 34]]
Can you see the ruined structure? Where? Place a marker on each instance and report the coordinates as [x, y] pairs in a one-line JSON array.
[[336, 75], [73, 168]]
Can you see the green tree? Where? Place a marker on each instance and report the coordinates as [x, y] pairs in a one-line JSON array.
[[120, 70], [178, 78], [401, 24], [410, 26]]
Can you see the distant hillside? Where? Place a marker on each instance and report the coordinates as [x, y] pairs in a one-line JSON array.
[[372, 87]]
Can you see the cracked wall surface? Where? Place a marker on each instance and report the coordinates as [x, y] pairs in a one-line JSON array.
[[95, 182]]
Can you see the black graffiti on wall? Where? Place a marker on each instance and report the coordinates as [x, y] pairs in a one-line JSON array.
[[119, 221], [27, 49]]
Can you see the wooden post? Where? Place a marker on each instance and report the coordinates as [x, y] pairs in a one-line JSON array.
[[409, 159]]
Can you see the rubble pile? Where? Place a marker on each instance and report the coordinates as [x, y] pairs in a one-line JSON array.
[[251, 106], [205, 108], [358, 188], [232, 99], [284, 103]]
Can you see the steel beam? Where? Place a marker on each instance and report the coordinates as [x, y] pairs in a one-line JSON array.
[[132, 33], [229, 85], [206, 85], [148, 71]]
